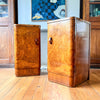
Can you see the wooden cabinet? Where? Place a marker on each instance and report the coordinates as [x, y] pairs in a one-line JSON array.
[[68, 51], [91, 12], [27, 50], [7, 20]]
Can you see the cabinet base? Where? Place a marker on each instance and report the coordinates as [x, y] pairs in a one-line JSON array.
[[66, 80], [27, 72], [60, 79]]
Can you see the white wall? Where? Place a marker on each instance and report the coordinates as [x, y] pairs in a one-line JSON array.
[[44, 47], [73, 8], [24, 14], [24, 17]]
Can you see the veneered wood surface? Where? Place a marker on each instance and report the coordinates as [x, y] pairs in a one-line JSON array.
[[60, 49], [82, 52], [68, 55], [27, 50]]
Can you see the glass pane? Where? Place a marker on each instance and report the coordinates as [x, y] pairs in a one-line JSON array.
[[94, 10], [3, 2], [94, 0], [3, 11]]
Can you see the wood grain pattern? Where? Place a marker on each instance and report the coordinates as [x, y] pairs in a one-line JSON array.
[[39, 88], [27, 50], [68, 55]]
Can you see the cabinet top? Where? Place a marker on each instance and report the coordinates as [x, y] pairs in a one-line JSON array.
[[27, 25], [68, 18]]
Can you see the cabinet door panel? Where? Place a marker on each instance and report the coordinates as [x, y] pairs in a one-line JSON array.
[[60, 48], [4, 44], [98, 46], [93, 46], [27, 47]]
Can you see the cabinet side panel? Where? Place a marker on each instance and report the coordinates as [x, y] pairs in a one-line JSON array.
[[82, 52]]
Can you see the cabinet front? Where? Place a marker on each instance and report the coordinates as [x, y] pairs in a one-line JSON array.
[[60, 48], [27, 47]]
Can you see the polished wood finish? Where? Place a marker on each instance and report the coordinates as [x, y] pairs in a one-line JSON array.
[[27, 50], [7, 35], [39, 88], [95, 33], [68, 55]]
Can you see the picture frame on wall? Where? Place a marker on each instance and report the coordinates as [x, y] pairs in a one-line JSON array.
[[43, 10]]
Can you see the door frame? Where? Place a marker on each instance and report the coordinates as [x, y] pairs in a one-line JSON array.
[[13, 19]]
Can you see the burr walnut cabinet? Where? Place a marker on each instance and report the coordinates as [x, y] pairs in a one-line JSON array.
[[68, 51], [27, 49]]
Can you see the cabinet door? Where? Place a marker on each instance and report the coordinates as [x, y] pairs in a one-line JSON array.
[[60, 48], [27, 47]]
